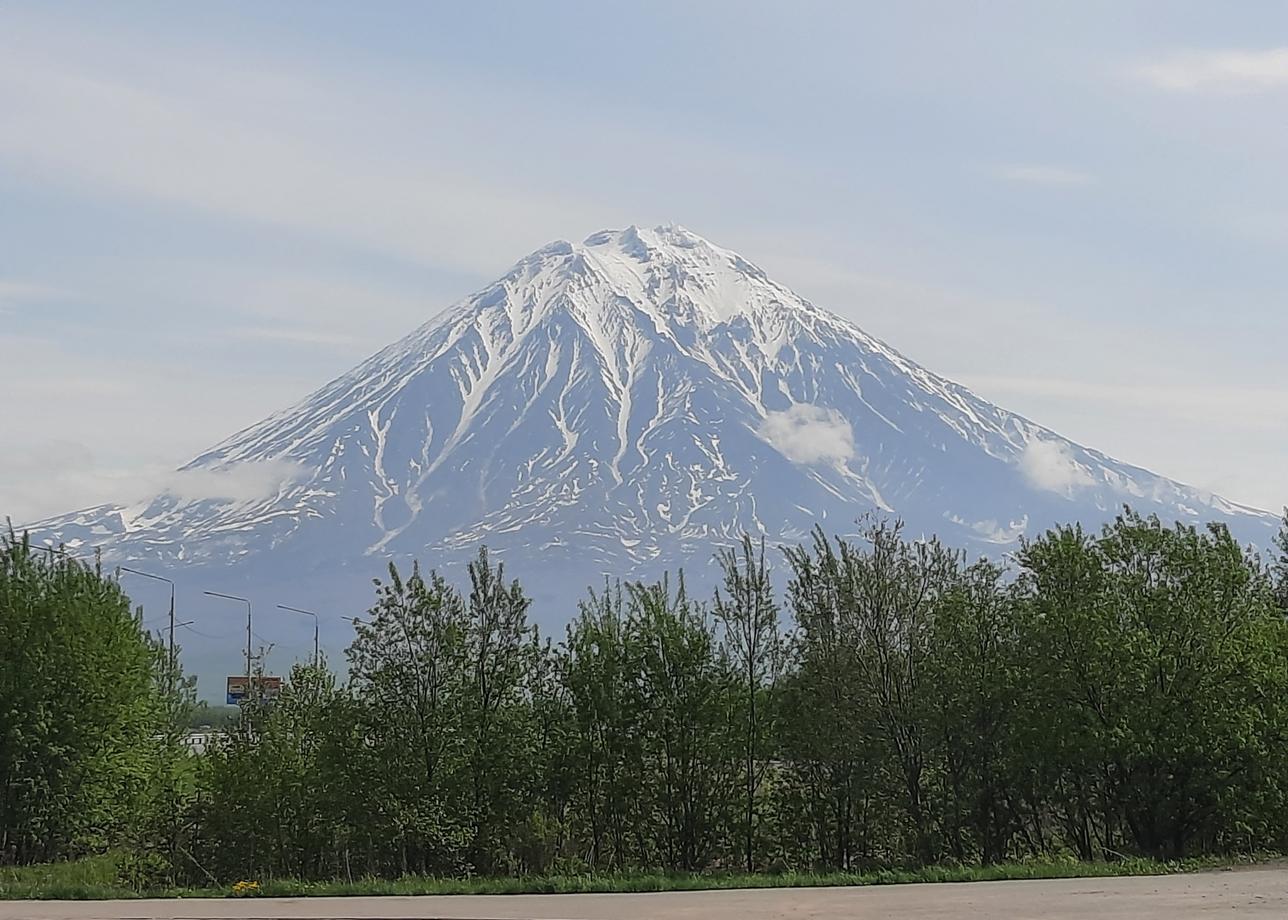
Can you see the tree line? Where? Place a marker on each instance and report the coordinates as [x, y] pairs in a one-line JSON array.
[[91, 715], [1102, 695]]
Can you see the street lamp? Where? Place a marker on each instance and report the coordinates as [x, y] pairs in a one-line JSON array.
[[246, 601], [316, 657], [123, 568]]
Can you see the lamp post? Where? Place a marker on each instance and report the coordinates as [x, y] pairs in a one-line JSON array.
[[246, 601], [316, 657], [170, 676]]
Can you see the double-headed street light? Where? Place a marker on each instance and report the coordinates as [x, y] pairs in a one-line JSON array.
[[131, 571], [246, 601], [316, 657]]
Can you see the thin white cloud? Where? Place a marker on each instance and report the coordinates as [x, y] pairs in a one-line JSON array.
[[50, 477], [149, 143], [293, 336], [1238, 71], [62, 476], [14, 292], [1254, 408], [379, 172], [141, 425], [1039, 174], [238, 482], [809, 434], [360, 313], [1049, 466]]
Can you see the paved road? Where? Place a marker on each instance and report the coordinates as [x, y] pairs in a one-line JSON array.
[[1256, 893]]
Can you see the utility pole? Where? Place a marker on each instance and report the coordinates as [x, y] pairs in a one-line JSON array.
[[249, 651], [171, 672], [317, 659]]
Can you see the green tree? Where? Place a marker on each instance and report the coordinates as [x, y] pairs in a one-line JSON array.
[[1156, 658], [971, 699], [1279, 567], [685, 696], [543, 841], [748, 614], [599, 675], [84, 728], [1067, 654], [894, 588], [498, 648], [829, 724], [411, 673], [275, 786]]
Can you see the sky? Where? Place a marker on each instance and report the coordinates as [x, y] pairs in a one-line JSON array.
[[1080, 210]]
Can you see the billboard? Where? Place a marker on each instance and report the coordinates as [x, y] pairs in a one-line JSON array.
[[265, 687]]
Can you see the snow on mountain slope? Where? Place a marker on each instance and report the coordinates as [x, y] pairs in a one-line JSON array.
[[625, 404]]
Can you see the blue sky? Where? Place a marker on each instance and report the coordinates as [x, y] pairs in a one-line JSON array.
[[1080, 210]]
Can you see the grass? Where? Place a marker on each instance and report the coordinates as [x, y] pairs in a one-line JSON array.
[[84, 879], [95, 878]]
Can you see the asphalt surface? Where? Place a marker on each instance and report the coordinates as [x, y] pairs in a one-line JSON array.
[[1257, 893]]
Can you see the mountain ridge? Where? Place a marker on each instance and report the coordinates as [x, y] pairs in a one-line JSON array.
[[632, 399]]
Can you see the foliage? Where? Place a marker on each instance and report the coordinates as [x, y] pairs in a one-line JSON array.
[[88, 712], [749, 617], [143, 871], [1156, 658], [1116, 696], [1279, 565]]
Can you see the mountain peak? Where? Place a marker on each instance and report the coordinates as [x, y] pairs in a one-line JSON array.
[[662, 236], [668, 243], [669, 271]]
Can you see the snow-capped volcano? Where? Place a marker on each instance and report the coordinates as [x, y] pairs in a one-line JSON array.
[[622, 405]]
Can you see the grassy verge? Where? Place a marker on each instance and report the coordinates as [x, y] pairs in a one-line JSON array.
[[95, 878], [91, 878]]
